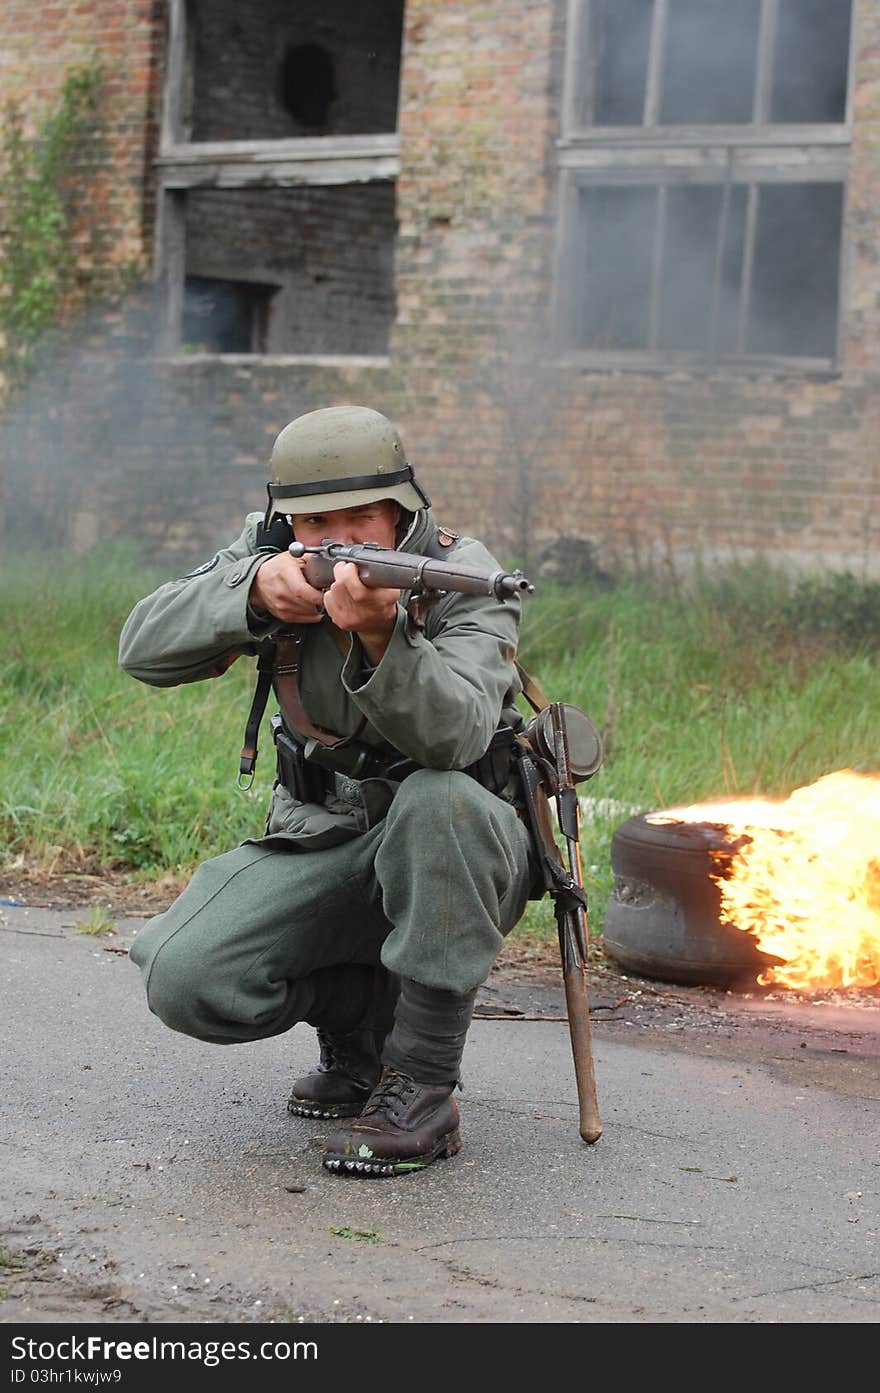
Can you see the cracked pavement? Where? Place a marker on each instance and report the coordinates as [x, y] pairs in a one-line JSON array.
[[152, 1178]]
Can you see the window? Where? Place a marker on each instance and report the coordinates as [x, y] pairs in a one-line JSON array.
[[221, 316], [277, 177], [703, 166]]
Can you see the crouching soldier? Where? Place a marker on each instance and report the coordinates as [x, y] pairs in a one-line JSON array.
[[393, 860]]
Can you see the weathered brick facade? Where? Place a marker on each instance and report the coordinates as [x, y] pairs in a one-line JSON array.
[[509, 434]]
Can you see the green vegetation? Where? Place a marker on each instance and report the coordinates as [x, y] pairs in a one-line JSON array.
[[729, 690], [99, 922], [357, 1235], [55, 255]]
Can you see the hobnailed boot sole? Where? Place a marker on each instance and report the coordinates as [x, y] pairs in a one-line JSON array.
[[301, 1108], [375, 1167]]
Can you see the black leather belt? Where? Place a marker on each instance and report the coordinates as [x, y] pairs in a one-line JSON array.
[[310, 773]]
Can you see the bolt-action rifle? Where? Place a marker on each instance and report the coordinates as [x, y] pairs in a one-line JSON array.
[[426, 577], [401, 570]]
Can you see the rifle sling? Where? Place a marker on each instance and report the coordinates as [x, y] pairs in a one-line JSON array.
[[249, 749]]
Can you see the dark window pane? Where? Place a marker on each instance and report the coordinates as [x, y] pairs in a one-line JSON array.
[[619, 41], [688, 268], [617, 236], [793, 306], [732, 262], [701, 268], [709, 62], [810, 61], [222, 316]]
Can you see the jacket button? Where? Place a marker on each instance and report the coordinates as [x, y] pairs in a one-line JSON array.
[[349, 788]]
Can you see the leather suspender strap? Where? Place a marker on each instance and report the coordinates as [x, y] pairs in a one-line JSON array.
[[288, 647]]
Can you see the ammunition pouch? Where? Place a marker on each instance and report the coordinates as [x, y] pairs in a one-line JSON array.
[[305, 781]]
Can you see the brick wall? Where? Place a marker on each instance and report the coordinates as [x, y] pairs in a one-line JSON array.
[[328, 250], [508, 439], [39, 43], [654, 468]]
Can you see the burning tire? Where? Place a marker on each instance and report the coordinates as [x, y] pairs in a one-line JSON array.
[[663, 920]]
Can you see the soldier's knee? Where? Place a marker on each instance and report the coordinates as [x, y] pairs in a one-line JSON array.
[[435, 797], [177, 997], [175, 985]]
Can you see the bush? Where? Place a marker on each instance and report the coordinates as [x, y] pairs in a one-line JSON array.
[[840, 607]]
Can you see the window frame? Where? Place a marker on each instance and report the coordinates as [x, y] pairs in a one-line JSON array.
[[652, 155], [183, 164]]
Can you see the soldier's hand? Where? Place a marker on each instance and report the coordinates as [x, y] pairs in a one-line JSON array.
[[370, 612], [280, 588]]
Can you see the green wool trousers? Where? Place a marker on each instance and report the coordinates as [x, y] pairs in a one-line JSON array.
[[429, 892]]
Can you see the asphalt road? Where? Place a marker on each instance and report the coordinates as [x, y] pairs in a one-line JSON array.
[[149, 1178]]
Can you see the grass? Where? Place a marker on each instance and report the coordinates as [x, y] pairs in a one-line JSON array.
[[727, 690]]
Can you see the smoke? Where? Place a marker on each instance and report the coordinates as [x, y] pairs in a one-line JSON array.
[[107, 440]]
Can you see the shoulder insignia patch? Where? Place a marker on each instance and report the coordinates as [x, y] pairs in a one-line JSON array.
[[446, 537], [202, 570]]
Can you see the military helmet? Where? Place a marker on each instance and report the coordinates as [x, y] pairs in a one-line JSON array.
[[340, 457]]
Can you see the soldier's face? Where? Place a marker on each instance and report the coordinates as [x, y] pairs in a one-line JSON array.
[[371, 522]]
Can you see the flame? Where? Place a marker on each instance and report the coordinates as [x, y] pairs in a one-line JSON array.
[[806, 881]]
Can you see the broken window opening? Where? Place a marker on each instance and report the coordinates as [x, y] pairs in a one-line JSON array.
[[270, 70], [324, 253], [225, 316], [308, 84], [277, 178]]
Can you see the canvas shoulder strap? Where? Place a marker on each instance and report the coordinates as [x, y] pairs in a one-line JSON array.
[[532, 689]]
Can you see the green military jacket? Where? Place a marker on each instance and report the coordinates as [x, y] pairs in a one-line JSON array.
[[438, 694]]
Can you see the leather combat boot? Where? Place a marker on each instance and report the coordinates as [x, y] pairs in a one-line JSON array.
[[349, 1062], [403, 1127], [411, 1117]]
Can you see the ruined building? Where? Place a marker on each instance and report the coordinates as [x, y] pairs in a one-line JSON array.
[[612, 265]]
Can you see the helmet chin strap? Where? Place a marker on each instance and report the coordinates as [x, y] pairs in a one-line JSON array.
[[275, 534], [404, 525], [268, 513]]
